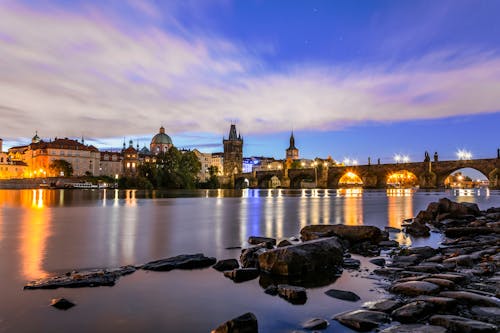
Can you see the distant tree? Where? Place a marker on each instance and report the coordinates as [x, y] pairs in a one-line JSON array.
[[61, 167]]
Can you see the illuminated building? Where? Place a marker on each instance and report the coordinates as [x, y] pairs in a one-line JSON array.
[[161, 142], [292, 152], [233, 153]]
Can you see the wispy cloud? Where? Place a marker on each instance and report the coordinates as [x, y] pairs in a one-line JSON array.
[[68, 73]]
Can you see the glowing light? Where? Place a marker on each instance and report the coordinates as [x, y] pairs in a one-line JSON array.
[[406, 159], [463, 154], [354, 162], [397, 158]]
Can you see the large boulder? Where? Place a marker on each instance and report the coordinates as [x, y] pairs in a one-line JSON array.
[[249, 258], [353, 234], [318, 256], [415, 288], [456, 209], [246, 323]]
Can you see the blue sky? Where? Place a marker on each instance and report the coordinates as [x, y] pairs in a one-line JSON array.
[[352, 78]]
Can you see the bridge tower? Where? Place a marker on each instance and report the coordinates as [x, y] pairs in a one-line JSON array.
[[233, 153]]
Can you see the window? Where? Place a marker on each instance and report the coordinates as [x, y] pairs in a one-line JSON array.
[[128, 165]]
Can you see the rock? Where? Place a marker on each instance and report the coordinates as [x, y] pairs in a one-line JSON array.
[[75, 279], [343, 295], [378, 261], [457, 278], [284, 242], [293, 294], [317, 256], [271, 290], [461, 324], [441, 303], [427, 267], [422, 252], [233, 247], [183, 261], [390, 271], [414, 328], [226, 265], [246, 323], [362, 320], [468, 231], [388, 243], [242, 274], [61, 303], [464, 260], [412, 312], [384, 305], [351, 263], [487, 313], [418, 229], [471, 298], [443, 283], [415, 288], [392, 229], [250, 257], [456, 209], [254, 240], [315, 324], [353, 234], [404, 261]]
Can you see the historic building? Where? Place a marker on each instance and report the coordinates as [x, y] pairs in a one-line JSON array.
[[111, 164], [40, 154], [130, 161], [233, 153], [218, 162], [160, 143], [8, 168], [292, 152]]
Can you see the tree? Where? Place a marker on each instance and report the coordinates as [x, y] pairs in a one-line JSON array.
[[61, 167]]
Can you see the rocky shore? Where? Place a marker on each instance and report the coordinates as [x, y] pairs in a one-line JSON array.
[[452, 288]]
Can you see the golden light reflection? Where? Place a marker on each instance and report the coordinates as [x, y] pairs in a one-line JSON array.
[[400, 207], [130, 199], [35, 231], [353, 207]]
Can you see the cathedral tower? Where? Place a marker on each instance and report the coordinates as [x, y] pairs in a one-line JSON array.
[[292, 152]]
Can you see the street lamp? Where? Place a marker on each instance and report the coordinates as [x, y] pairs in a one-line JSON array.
[[406, 159], [397, 158]]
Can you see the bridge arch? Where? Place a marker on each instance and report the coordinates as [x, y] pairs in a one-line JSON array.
[[241, 183], [401, 179], [350, 179], [467, 178], [297, 176]]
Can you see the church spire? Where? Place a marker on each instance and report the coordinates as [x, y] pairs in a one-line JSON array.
[[292, 142]]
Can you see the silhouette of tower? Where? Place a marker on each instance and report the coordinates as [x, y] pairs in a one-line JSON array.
[[233, 153]]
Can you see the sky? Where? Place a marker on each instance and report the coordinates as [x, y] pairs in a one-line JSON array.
[[352, 79]]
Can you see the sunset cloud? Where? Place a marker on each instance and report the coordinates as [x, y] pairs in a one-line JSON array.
[[68, 73]]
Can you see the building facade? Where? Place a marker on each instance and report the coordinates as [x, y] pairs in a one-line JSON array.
[[233, 153], [160, 143]]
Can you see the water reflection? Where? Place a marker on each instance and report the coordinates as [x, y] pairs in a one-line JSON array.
[[35, 231], [399, 207], [352, 207]]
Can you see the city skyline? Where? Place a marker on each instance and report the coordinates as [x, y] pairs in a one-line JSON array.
[[352, 81]]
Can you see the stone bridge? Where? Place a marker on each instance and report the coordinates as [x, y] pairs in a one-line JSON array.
[[427, 175]]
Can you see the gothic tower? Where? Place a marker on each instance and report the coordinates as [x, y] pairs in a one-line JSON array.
[[292, 152], [233, 153]]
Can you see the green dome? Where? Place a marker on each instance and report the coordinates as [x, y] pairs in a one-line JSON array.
[[161, 138]]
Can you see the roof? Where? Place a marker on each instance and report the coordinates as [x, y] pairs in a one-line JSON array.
[[63, 144], [161, 138]]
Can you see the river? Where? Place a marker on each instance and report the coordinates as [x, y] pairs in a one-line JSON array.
[[48, 232]]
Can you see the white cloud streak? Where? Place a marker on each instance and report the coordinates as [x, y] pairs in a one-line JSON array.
[[68, 73]]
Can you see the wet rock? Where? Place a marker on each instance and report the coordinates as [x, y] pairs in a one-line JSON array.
[[61, 303], [271, 290], [418, 228], [362, 320], [462, 260], [284, 242], [250, 257], [427, 267], [353, 234], [233, 247], [457, 278], [378, 261], [415, 288], [183, 261], [293, 294], [226, 265], [441, 303], [384, 305], [390, 271], [471, 298], [75, 279], [254, 240], [404, 261], [443, 283], [242, 274], [246, 323], [468, 231], [317, 256], [422, 252], [351, 263], [414, 328], [487, 313], [412, 312], [457, 209], [392, 229], [315, 324], [461, 324], [343, 295], [388, 244]]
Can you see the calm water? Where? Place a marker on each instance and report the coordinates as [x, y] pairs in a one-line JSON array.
[[46, 232]]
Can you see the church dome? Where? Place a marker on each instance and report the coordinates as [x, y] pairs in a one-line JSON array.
[[36, 138], [161, 138]]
